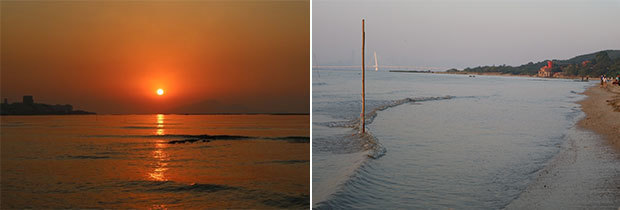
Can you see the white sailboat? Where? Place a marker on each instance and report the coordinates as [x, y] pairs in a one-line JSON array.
[[376, 65]]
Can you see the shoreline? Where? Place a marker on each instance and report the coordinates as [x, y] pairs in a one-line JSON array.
[[488, 74], [602, 109], [511, 75], [584, 173]]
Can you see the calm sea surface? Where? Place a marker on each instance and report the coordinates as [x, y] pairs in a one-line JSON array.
[[438, 141], [155, 161]]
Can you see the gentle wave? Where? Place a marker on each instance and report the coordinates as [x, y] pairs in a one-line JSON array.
[[139, 127], [15, 124], [370, 116], [367, 140], [194, 187], [284, 162], [195, 190], [278, 200], [189, 138], [84, 157], [301, 201]]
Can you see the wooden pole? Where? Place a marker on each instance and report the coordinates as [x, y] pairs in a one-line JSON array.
[[363, 78]]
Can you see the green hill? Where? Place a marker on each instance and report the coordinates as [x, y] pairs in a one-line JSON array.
[[613, 54], [598, 63]]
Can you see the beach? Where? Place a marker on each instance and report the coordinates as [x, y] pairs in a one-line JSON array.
[[602, 108]]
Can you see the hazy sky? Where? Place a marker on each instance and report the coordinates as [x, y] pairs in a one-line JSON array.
[[462, 33], [111, 56]]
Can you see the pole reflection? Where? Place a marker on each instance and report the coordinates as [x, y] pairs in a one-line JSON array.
[[160, 156]]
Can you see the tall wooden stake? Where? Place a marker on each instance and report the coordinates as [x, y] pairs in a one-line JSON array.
[[363, 78]]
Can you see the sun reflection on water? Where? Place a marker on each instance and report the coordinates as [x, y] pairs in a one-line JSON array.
[[160, 156], [160, 124], [161, 164]]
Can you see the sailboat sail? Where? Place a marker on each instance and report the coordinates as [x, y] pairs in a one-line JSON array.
[[376, 65]]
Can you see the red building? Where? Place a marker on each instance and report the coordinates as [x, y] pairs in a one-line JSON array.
[[545, 71], [584, 63]]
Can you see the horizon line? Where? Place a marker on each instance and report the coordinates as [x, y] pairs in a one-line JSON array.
[[161, 113], [380, 66], [225, 113]]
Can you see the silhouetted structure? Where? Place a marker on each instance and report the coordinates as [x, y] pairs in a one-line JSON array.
[[28, 100], [28, 107], [6, 100]]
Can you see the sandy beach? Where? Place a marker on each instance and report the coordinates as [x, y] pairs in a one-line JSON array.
[[602, 108]]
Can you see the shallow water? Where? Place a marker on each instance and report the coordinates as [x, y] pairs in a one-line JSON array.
[[460, 142], [585, 174], [155, 161]]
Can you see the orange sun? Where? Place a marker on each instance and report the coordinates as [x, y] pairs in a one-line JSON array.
[[160, 91]]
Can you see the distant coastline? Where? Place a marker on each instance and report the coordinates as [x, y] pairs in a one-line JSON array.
[[509, 75], [28, 107], [412, 71], [591, 65], [582, 67]]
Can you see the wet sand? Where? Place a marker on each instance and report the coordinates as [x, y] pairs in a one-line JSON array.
[[602, 108], [586, 172]]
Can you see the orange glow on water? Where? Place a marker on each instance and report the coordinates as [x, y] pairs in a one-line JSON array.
[[161, 163], [160, 124], [160, 156], [157, 173]]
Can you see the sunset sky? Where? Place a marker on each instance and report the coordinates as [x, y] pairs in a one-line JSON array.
[[112, 57]]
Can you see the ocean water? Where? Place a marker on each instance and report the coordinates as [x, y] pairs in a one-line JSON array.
[[155, 161], [435, 140]]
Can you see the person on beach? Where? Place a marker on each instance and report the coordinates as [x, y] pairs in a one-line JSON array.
[[602, 78], [605, 80]]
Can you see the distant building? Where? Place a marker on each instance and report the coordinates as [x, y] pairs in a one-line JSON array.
[[28, 107], [545, 71], [28, 100], [584, 63]]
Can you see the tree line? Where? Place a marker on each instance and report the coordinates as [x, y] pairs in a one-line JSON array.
[[592, 65]]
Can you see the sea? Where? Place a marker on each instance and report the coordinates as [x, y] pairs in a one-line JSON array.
[[155, 161], [439, 141]]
